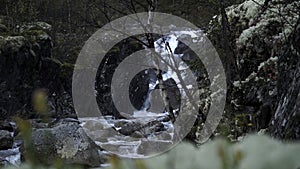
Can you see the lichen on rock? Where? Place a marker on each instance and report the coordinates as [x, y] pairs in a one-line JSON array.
[[71, 146], [257, 32], [66, 141]]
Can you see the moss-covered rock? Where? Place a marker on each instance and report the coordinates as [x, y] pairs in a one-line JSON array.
[[26, 65], [66, 141], [256, 32], [35, 26]]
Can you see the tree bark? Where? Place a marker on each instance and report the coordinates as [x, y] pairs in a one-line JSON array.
[[286, 119]]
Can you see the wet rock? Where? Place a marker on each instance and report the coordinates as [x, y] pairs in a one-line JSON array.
[[8, 126], [66, 141], [121, 123], [6, 140], [139, 88], [106, 71], [129, 128], [173, 93], [138, 129]]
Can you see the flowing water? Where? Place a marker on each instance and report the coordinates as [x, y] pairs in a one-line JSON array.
[[12, 156], [107, 131]]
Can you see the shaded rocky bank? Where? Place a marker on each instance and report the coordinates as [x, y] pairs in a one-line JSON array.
[[261, 56], [27, 65]]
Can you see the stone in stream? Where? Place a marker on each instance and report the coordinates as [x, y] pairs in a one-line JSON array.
[[6, 140], [138, 129], [139, 88], [65, 141], [5, 125]]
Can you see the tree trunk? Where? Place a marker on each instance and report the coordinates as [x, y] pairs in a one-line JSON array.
[[286, 119]]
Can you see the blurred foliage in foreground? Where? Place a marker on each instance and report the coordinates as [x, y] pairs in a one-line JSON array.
[[254, 152]]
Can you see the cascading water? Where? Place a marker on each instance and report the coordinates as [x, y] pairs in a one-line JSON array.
[[11, 156], [131, 139]]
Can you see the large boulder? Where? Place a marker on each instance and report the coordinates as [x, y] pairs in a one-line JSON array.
[[65, 141]]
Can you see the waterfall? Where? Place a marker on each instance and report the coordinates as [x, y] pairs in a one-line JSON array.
[[152, 109]]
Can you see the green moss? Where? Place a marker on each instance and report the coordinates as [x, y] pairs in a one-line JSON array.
[[66, 70], [224, 129], [115, 49], [33, 33], [57, 61]]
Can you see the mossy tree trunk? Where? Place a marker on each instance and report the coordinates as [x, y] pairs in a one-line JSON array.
[[286, 119]]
